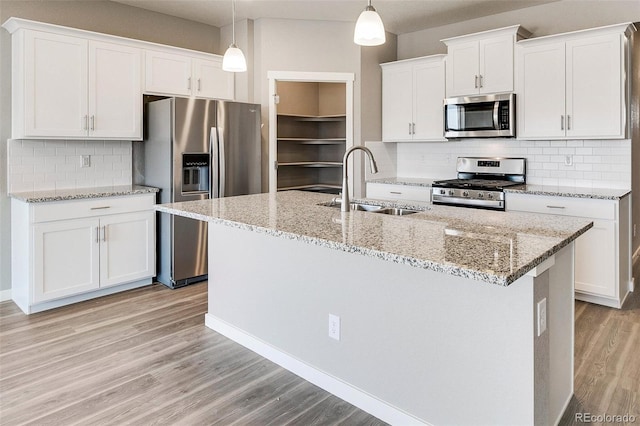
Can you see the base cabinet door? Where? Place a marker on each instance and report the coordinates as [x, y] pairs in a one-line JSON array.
[[595, 270], [66, 258], [127, 247]]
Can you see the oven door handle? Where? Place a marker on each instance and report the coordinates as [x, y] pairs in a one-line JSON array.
[[496, 109]]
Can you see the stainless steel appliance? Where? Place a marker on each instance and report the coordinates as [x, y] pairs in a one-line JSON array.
[[197, 149], [480, 182], [486, 116]]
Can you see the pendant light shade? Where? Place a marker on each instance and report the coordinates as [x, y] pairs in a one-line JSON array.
[[369, 28], [233, 59]]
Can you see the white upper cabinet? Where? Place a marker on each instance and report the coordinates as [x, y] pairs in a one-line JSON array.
[[49, 85], [181, 75], [483, 62], [412, 95], [115, 101], [74, 88], [573, 86]]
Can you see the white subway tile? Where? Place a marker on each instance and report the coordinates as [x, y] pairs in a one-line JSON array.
[[575, 144], [584, 151], [550, 166], [21, 187], [592, 143]]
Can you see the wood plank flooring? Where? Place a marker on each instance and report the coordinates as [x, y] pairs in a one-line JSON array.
[[145, 357]]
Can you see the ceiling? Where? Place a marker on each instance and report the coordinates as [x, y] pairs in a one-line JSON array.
[[399, 16]]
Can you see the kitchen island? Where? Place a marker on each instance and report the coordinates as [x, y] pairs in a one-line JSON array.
[[446, 316]]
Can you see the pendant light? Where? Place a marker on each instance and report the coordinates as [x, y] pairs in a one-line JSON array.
[[369, 28], [233, 59]]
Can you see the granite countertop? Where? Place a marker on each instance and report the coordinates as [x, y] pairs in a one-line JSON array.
[[490, 246], [80, 193], [570, 191], [404, 181]]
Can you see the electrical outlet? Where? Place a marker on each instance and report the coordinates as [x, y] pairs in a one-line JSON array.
[[568, 160], [542, 316], [334, 326], [85, 161]]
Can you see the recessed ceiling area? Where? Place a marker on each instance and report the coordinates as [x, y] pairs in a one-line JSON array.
[[399, 16]]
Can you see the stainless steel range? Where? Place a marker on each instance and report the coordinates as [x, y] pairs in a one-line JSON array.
[[480, 182]]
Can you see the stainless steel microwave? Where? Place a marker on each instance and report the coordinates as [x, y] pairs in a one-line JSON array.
[[486, 116]]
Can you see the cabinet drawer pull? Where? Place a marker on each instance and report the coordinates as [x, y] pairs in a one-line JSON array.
[[100, 208], [556, 207], [395, 192]]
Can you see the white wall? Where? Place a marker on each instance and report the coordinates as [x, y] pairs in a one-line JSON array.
[[549, 18]]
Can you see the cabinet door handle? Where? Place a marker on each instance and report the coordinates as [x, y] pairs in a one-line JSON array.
[[556, 207], [395, 192], [93, 122], [97, 234], [568, 122], [562, 122], [189, 83], [481, 81], [409, 128], [85, 122], [476, 82], [414, 128], [104, 233], [199, 85], [100, 208]]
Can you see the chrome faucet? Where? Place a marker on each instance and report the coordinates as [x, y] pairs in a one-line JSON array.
[[346, 203]]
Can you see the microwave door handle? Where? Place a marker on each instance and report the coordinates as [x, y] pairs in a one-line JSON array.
[[496, 109]]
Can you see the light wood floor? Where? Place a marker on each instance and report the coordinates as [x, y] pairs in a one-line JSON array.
[[145, 357]]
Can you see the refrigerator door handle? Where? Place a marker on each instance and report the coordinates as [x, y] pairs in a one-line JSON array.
[[214, 168], [220, 163]]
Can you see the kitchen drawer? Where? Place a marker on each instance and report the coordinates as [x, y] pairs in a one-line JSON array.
[[565, 206], [384, 191], [90, 207]]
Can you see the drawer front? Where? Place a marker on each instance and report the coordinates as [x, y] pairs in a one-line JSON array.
[[385, 191], [565, 206], [91, 207]]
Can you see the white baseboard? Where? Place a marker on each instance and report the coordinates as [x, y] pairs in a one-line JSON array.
[[5, 295], [337, 387]]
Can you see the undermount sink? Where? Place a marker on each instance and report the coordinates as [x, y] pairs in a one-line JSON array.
[[395, 211], [359, 206]]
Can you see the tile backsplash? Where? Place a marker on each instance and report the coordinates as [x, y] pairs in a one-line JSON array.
[[35, 165], [593, 163]]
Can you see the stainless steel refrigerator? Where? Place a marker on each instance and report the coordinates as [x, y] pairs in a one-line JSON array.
[[197, 149]]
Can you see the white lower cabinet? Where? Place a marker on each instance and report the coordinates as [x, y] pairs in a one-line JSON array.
[[603, 253], [398, 192], [67, 251]]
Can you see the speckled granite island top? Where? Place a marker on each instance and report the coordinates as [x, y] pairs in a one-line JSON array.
[[570, 191], [81, 193], [489, 246]]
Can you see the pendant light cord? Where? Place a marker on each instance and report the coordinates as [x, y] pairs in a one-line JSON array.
[[233, 23]]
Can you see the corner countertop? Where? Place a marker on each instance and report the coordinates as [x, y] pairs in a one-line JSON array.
[[404, 181], [490, 246], [570, 191], [81, 193]]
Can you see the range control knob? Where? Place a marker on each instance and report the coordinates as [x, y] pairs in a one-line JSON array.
[[465, 193], [452, 192], [480, 195], [442, 191], [490, 196]]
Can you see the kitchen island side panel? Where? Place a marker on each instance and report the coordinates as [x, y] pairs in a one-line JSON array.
[[445, 349]]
